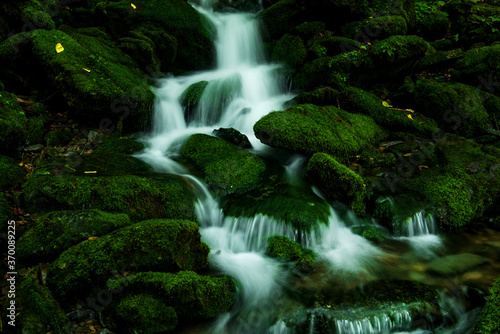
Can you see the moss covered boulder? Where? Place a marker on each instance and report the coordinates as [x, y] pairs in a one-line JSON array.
[[309, 129], [119, 145], [191, 98], [190, 31], [192, 296], [291, 50], [463, 185], [431, 23], [138, 312], [139, 197], [55, 232], [12, 124], [226, 167], [489, 318], [337, 182], [455, 107], [11, 174], [284, 248], [91, 69], [281, 17], [382, 26], [153, 245], [480, 67], [395, 119], [402, 49], [39, 311]]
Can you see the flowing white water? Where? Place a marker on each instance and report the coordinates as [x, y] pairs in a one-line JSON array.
[[374, 325]]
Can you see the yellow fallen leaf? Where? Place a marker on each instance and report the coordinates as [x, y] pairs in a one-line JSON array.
[[407, 154], [90, 172], [21, 164], [409, 116], [382, 148], [59, 48], [422, 167], [385, 104], [86, 69], [133, 6], [364, 184], [93, 238]]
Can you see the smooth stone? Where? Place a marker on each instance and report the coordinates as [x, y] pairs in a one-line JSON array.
[[455, 264]]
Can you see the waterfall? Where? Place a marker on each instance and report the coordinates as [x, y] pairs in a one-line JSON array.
[[420, 224]]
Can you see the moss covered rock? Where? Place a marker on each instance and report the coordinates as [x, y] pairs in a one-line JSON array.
[[381, 26], [139, 197], [90, 69], [356, 99], [480, 67], [119, 145], [399, 48], [431, 23], [11, 174], [39, 312], [192, 296], [191, 98], [337, 182], [281, 17], [153, 245], [191, 31], [226, 166], [290, 49], [12, 124], [284, 248], [465, 183], [139, 312], [489, 318], [309, 129], [455, 107], [233, 136], [55, 232]]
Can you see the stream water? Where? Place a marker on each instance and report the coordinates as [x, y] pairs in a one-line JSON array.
[[240, 90]]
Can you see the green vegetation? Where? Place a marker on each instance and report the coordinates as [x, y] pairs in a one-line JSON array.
[[227, 167], [399, 48], [11, 175], [489, 318], [39, 311], [143, 311], [337, 182], [138, 197], [290, 50], [119, 145], [152, 245], [191, 295], [385, 26], [309, 129], [284, 248], [12, 124], [55, 232]]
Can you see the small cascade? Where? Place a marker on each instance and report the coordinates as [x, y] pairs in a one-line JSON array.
[[379, 324], [420, 224], [293, 170], [279, 328]]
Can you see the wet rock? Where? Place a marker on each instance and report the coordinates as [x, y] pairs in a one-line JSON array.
[[55, 232], [153, 245], [226, 167], [41, 312], [192, 296], [284, 248], [309, 129], [12, 124], [337, 182], [139, 197], [456, 264], [233, 136]]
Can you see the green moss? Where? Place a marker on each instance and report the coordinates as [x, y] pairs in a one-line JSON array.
[[370, 232], [282, 247], [59, 138], [327, 71], [191, 295], [112, 88], [399, 48], [432, 24], [307, 30], [5, 212], [119, 145], [142, 49], [39, 311], [145, 312], [456, 107], [464, 185], [227, 167], [153, 245], [55, 232], [112, 164], [177, 18], [385, 26], [309, 129], [290, 50], [281, 18], [12, 124], [481, 62], [138, 197], [35, 130], [34, 12], [337, 182], [233, 136], [192, 96], [373, 157], [11, 174], [489, 318], [356, 99], [325, 96]]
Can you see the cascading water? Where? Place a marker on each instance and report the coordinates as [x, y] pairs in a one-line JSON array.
[[237, 93]]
